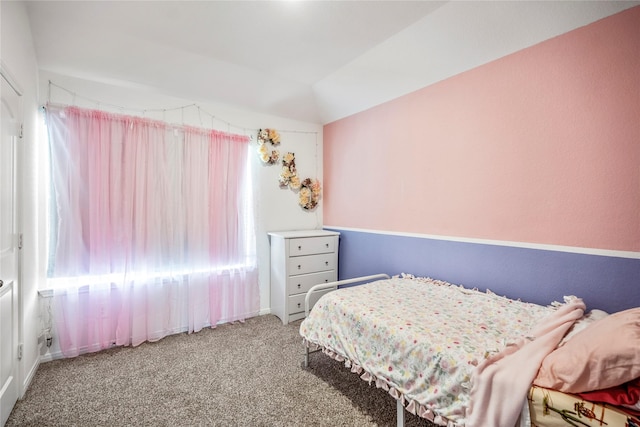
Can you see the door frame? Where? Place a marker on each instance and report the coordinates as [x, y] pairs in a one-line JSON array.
[[8, 77]]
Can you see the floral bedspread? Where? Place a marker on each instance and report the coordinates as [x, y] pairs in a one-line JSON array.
[[418, 338]]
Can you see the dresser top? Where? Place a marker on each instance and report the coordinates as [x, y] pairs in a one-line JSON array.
[[303, 233]]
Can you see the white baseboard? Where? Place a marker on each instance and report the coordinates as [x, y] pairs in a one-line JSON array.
[[29, 377]]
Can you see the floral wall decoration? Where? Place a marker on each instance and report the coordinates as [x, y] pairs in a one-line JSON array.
[[308, 190], [309, 193], [288, 175], [268, 136]]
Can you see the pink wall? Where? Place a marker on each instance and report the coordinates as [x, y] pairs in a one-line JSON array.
[[541, 146]]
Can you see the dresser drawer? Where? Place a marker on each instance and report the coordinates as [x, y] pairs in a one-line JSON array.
[[311, 263], [296, 302], [311, 245], [303, 282]]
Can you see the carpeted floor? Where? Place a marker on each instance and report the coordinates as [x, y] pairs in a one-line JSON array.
[[244, 374]]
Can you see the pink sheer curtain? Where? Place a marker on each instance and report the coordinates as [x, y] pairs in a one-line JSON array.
[[153, 229]]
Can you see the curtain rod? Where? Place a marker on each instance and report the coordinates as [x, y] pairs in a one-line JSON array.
[[164, 110], [163, 123]]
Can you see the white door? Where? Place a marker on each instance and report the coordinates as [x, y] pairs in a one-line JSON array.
[[9, 259]]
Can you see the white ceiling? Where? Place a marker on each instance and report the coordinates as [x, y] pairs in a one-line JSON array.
[[315, 61]]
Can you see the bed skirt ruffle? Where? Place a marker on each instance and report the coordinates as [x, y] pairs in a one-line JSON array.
[[410, 405]]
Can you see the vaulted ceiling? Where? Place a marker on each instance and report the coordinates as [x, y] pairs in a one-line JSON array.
[[315, 61]]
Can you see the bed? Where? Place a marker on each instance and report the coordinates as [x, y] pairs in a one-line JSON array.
[[429, 343]]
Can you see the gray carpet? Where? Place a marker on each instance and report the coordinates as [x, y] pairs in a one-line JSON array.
[[243, 374]]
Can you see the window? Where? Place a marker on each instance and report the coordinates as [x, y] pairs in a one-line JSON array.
[[152, 229]]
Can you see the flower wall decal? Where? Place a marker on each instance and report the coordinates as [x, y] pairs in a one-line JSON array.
[[288, 174], [309, 193], [268, 136], [308, 190]]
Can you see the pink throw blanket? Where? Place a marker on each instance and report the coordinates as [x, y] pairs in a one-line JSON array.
[[501, 382]]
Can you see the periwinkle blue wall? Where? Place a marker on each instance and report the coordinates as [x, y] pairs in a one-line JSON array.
[[534, 275]]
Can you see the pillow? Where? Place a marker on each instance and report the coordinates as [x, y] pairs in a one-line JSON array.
[[582, 323], [604, 354]]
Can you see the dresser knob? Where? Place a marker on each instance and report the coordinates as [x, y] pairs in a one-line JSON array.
[[299, 248], [299, 286], [327, 245], [299, 267], [326, 280], [298, 304], [326, 263]]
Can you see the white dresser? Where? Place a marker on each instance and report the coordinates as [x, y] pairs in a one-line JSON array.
[[299, 260]]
